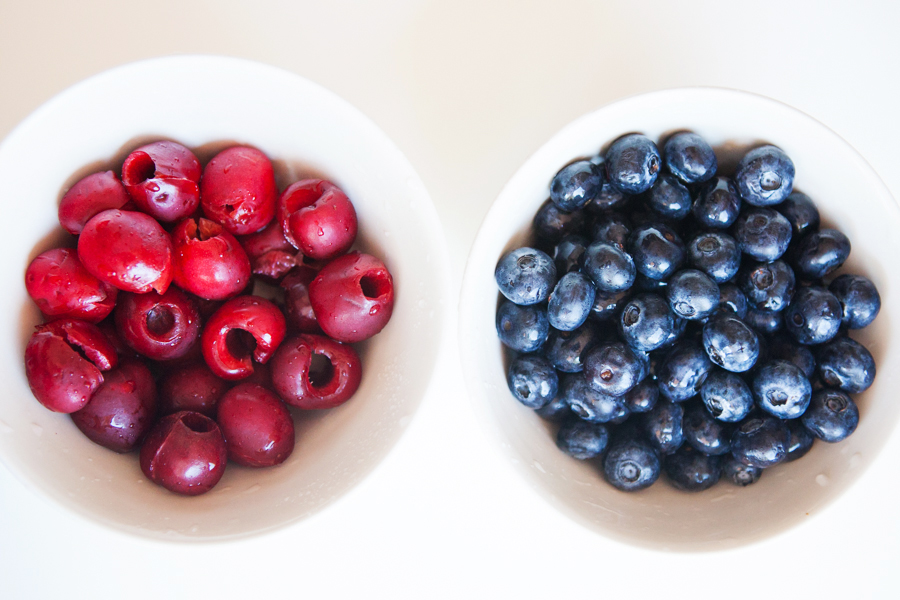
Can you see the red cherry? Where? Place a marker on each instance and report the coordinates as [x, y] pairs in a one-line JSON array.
[[258, 429], [63, 289], [163, 179], [306, 385], [161, 327], [93, 194], [317, 218], [209, 261], [271, 255], [297, 307], [193, 387], [238, 190], [228, 338]]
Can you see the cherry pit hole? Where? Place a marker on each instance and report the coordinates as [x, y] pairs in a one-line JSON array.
[[240, 343], [374, 285], [139, 169], [321, 370], [197, 423], [160, 321]]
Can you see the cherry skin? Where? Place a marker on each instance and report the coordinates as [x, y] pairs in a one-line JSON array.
[[193, 387], [353, 297], [209, 261], [163, 179], [226, 345], [122, 410], [161, 327], [271, 255], [63, 289], [128, 250], [185, 453], [317, 218], [93, 194], [300, 383], [258, 429], [63, 363], [297, 308], [238, 190]]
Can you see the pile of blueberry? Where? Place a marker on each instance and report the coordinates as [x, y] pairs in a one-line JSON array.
[[673, 319]]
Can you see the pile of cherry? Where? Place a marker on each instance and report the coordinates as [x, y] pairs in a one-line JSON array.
[[153, 338]]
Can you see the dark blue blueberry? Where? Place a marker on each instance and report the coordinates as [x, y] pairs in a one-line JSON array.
[[581, 439], [532, 380], [683, 371], [657, 250], [645, 284], [566, 349], [642, 397], [764, 321], [732, 300], [768, 286], [568, 254], [860, 301], [631, 465], [832, 415], [554, 411], [716, 254], [614, 368], [607, 304], [726, 396], [552, 224], [632, 163], [589, 404], [801, 440], [611, 229], [575, 185], [609, 198], [570, 302], [705, 433], [781, 389], [819, 253], [669, 199], [761, 441], [663, 426], [730, 343], [718, 204], [692, 294], [525, 276], [845, 364], [800, 212], [738, 473], [765, 176], [784, 348], [762, 233], [693, 471], [689, 157], [522, 328], [814, 316], [610, 268], [646, 322]]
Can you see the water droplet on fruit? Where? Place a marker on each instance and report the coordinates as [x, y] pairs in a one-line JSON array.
[[37, 429], [320, 232], [822, 479], [153, 187], [373, 311]]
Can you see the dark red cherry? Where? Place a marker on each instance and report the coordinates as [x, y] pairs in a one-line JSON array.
[[185, 453], [271, 255], [313, 372], [193, 387], [209, 261], [238, 190], [163, 179], [161, 327], [297, 307], [63, 289], [258, 429], [93, 194], [317, 218], [244, 327]]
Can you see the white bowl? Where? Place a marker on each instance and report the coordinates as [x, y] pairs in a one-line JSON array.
[[849, 195], [206, 102]]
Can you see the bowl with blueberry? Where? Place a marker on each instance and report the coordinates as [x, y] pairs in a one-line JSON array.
[[225, 300], [673, 315]]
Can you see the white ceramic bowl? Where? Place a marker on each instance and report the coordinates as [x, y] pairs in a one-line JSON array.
[[850, 196], [205, 103]]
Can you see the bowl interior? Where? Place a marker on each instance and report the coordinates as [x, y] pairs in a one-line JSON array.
[[207, 103], [850, 197]]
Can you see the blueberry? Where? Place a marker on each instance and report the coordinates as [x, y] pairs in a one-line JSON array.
[[632, 163], [762, 233], [801, 440], [610, 268], [642, 397], [532, 380], [554, 411], [845, 364], [570, 302], [613, 368], [819, 253], [761, 442], [859, 300], [589, 404], [683, 371], [646, 323], [814, 316], [730, 343], [765, 176], [582, 440], [726, 396], [800, 212], [781, 389], [631, 465], [669, 199], [607, 304], [611, 229], [738, 473], [566, 349], [691, 470], [568, 254], [718, 204], [663, 426], [692, 294], [552, 224], [732, 300], [522, 328], [657, 250], [832, 415], [575, 185], [705, 433], [689, 157], [645, 284], [764, 321], [716, 254], [768, 286], [525, 276], [609, 198], [784, 348]]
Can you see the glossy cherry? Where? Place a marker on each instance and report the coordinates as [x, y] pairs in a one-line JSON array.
[[327, 383], [297, 307], [258, 429], [192, 387], [63, 289], [93, 194], [238, 190], [228, 339], [353, 297], [318, 218], [161, 327], [271, 254], [209, 261], [163, 179], [185, 453]]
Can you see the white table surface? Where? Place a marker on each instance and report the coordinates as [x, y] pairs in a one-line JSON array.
[[469, 89]]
